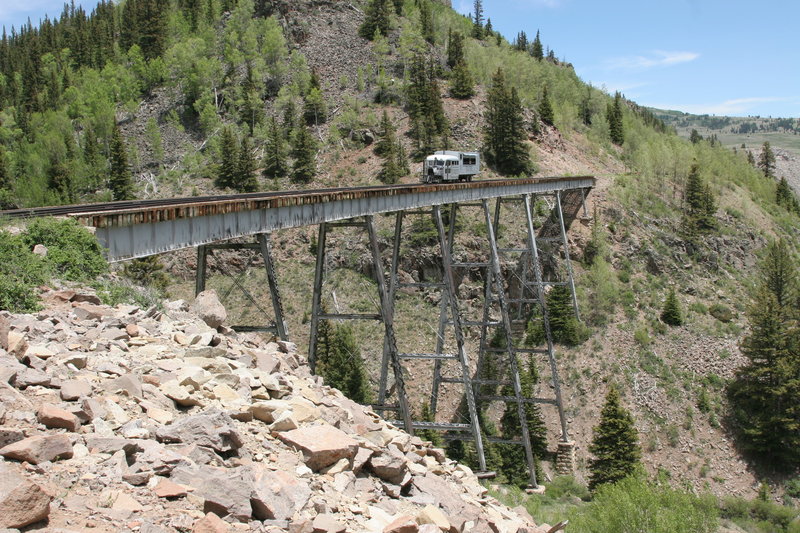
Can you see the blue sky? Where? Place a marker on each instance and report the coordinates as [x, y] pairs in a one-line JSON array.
[[722, 57]]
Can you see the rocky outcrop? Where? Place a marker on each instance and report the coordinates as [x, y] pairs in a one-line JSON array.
[[131, 418]]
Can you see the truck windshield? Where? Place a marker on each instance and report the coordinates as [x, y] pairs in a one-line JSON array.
[[438, 163]]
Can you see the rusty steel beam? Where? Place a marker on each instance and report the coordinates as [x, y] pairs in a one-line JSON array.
[[142, 231]]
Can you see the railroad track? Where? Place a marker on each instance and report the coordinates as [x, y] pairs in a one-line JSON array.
[[121, 206]]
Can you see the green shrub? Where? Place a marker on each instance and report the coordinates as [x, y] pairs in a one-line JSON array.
[[793, 488], [124, 292], [20, 272], [642, 337], [73, 253], [567, 486], [634, 504], [721, 312]]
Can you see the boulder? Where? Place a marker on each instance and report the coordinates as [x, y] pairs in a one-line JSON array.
[[22, 502], [433, 515], [75, 389], [389, 466], [39, 448], [210, 523], [277, 494], [321, 445], [225, 491], [212, 429], [208, 307], [54, 417], [402, 524], [326, 523]]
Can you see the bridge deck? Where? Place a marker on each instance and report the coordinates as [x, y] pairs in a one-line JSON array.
[[137, 229]]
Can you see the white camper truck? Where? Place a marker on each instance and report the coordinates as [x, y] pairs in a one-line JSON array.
[[447, 165]]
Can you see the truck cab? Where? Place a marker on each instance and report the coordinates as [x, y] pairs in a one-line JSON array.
[[448, 165]]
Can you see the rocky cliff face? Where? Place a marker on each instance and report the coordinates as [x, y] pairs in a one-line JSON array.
[[123, 419]]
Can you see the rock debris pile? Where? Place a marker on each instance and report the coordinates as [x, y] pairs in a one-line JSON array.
[[123, 419]]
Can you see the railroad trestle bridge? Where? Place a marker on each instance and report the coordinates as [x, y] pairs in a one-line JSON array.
[[516, 278]]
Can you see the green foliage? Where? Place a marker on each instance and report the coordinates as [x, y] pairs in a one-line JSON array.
[[429, 434], [72, 252], [614, 118], [126, 292], [227, 175], [21, 271], [546, 108], [426, 21], [424, 103], [765, 515], [784, 196], [477, 19], [340, 362], [245, 168], [120, 179], [275, 165], [698, 216], [390, 150], [602, 294], [455, 48], [504, 131], [148, 272], [462, 85], [304, 167], [721, 312], [671, 313], [615, 444], [764, 392], [564, 326], [377, 19], [766, 161], [634, 504]]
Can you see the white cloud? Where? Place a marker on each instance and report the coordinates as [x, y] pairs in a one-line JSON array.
[[736, 106], [657, 58]]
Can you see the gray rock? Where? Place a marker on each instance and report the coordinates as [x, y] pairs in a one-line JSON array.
[[75, 389], [226, 491], [22, 502], [213, 429], [39, 448], [277, 494], [208, 307]]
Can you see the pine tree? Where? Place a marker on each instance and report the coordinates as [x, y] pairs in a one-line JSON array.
[[764, 392], [462, 86], [314, 108], [504, 133], [615, 444], [766, 161], [545, 108], [388, 136], [521, 42], [342, 365], [477, 19], [671, 313], [700, 205], [536, 47], [245, 169], [785, 197], [120, 178], [515, 466], [455, 48], [5, 171], [229, 159], [377, 19], [614, 117], [424, 103], [586, 108], [275, 154], [751, 159], [304, 167], [426, 21], [695, 137], [564, 327]]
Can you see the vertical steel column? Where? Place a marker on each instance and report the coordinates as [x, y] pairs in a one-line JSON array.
[[272, 280], [387, 312], [450, 286], [398, 228], [485, 318], [512, 356], [566, 255], [200, 275], [443, 302], [537, 273], [316, 297]]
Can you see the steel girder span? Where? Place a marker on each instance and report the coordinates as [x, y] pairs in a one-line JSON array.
[[142, 231]]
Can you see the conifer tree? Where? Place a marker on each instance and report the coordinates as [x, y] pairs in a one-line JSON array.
[[764, 392], [245, 169], [546, 108], [424, 103], [564, 327], [304, 148], [462, 86], [426, 21], [766, 161], [536, 47], [314, 108], [120, 178], [455, 48], [785, 197], [429, 434], [515, 466], [751, 159], [388, 136], [671, 313], [5, 170], [614, 117], [477, 19], [229, 159], [504, 133], [342, 366], [521, 42], [275, 153], [700, 206], [586, 108], [377, 19], [615, 444], [398, 7]]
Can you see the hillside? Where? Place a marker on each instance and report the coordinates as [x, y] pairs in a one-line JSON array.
[[264, 74]]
